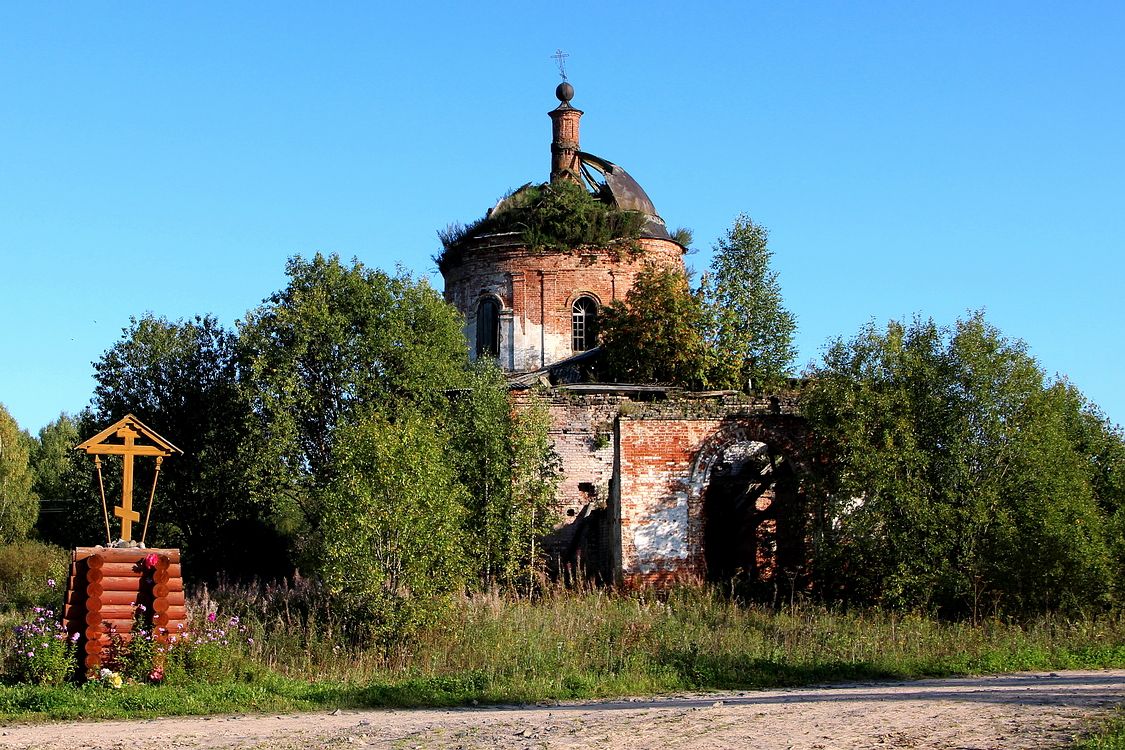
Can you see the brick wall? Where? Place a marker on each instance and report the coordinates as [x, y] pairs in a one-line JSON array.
[[582, 435], [537, 291], [664, 460], [629, 507], [660, 525]]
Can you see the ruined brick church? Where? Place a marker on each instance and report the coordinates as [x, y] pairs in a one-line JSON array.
[[659, 484]]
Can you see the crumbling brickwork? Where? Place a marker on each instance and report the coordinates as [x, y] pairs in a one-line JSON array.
[[582, 435], [536, 292], [632, 507]]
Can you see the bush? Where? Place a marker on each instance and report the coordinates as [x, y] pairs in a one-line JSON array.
[[206, 653], [32, 574]]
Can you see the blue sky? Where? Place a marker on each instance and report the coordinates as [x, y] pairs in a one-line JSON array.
[[928, 158]]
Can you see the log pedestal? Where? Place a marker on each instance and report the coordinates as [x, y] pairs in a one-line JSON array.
[[105, 587]]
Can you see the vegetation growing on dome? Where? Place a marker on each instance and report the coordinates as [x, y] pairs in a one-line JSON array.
[[683, 236], [559, 216]]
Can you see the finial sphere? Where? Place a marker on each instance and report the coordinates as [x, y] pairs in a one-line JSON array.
[[564, 92]]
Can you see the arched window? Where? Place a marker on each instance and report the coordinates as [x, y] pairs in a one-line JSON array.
[[488, 328], [584, 326]]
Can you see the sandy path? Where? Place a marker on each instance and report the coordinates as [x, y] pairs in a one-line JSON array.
[[1031, 710]]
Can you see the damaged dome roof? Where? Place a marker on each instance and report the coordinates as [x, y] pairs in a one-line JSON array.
[[618, 188]]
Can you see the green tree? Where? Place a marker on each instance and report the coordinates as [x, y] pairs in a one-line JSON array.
[[536, 472], [181, 379], [655, 336], [480, 436], [19, 505], [340, 343], [747, 324], [1100, 447], [505, 460], [50, 458], [954, 482], [71, 512], [393, 534]]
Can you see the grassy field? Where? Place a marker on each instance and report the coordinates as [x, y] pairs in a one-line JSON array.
[[289, 653]]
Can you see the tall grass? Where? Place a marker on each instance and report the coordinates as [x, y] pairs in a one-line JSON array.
[[572, 644], [598, 643], [1110, 736]]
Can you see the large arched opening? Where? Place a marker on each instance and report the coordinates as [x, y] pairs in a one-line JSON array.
[[752, 513]]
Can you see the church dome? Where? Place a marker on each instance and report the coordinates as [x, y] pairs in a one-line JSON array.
[[532, 276], [618, 188]]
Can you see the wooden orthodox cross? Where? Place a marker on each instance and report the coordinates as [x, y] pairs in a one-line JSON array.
[[128, 438]]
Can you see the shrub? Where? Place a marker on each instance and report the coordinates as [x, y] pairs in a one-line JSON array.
[[31, 574], [393, 528]]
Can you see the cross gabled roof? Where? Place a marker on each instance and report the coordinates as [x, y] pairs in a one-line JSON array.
[[161, 446]]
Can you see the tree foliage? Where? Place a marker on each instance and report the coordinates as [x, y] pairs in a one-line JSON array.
[[51, 458], [506, 462], [71, 512], [181, 379], [748, 326], [655, 336], [338, 343], [373, 420], [733, 331], [19, 505], [394, 541], [960, 479]]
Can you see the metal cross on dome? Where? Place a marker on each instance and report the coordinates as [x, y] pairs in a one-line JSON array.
[[560, 58], [128, 438]]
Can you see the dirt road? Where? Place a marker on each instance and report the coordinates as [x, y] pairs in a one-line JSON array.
[[1031, 710]]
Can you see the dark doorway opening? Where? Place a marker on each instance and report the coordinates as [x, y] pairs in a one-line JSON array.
[[752, 535]]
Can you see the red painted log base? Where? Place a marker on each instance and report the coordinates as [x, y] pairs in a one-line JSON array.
[[105, 587]]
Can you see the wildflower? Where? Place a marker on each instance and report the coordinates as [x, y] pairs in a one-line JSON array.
[[30, 654], [50, 583], [141, 608], [109, 677], [210, 617], [151, 560], [250, 641], [156, 675], [74, 638]]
